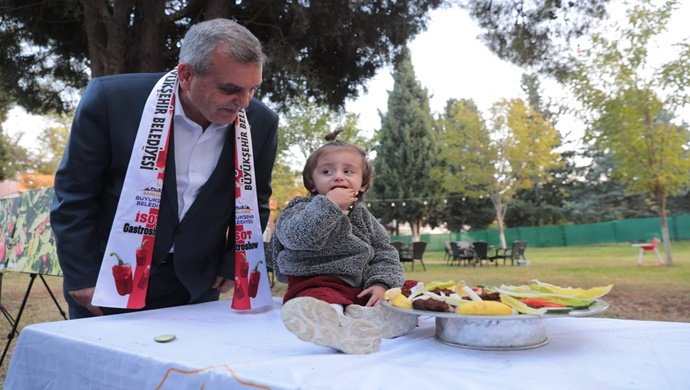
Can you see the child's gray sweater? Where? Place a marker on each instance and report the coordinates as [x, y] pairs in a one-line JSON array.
[[313, 237]]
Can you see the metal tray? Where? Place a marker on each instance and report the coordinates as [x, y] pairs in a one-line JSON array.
[[497, 333], [599, 306]]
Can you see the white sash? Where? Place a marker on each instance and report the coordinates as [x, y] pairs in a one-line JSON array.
[[123, 282], [252, 288]]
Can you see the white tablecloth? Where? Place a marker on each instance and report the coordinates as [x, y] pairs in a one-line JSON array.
[[217, 348]]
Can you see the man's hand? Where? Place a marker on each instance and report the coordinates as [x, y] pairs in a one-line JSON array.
[[223, 285], [83, 298]]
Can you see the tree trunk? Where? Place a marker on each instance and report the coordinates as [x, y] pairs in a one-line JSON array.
[[665, 236], [96, 38], [106, 31], [217, 9], [416, 227], [153, 30], [117, 27], [500, 215]]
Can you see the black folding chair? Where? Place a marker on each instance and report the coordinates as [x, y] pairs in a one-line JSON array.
[[461, 253], [480, 249], [400, 246], [514, 253], [417, 253], [448, 252]]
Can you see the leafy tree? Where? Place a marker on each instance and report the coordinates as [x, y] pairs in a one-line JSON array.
[[7, 168], [549, 110], [318, 49], [462, 131], [631, 104], [525, 143], [593, 195], [52, 142], [405, 185], [462, 211], [304, 127], [542, 204], [14, 158], [680, 203], [534, 34], [515, 152], [286, 184]]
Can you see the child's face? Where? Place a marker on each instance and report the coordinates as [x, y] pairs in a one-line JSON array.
[[340, 168]]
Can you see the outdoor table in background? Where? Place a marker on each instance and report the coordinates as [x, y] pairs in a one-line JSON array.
[[216, 348]]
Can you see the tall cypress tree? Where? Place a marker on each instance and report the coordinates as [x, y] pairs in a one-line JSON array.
[[405, 185]]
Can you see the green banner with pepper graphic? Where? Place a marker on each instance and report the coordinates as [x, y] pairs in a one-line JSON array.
[[27, 243], [8, 220]]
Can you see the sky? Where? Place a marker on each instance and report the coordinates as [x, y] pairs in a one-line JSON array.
[[449, 61]]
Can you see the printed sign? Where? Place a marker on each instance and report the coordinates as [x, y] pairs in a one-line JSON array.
[[27, 243]]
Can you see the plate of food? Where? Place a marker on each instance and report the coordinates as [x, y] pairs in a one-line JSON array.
[[501, 317], [597, 307]]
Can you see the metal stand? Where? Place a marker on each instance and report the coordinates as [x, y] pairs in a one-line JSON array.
[[3, 309], [15, 323]]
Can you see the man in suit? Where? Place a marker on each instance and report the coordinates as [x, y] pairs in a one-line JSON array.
[[219, 70]]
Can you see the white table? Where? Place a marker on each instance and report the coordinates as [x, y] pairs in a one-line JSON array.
[[217, 348]]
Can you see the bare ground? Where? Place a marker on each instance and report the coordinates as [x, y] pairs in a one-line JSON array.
[[649, 304]]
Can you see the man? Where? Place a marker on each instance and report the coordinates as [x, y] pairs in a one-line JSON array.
[[220, 69]]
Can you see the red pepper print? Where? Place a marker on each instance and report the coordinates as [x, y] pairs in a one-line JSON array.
[[44, 267], [140, 254], [254, 279], [240, 297], [239, 288], [244, 273], [144, 278], [244, 268], [122, 272]]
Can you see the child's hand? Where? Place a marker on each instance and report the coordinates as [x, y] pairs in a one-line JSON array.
[[376, 291], [342, 197]]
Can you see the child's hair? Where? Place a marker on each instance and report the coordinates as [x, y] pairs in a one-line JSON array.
[[312, 161]]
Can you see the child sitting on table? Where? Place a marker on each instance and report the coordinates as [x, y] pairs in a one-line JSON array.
[[336, 257]]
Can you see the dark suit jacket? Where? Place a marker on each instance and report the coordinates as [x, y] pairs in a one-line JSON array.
[[90, 178]]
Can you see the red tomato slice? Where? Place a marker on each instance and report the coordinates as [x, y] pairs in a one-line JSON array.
[[540, 302]]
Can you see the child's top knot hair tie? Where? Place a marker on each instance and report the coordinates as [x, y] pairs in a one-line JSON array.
[[330, 137]]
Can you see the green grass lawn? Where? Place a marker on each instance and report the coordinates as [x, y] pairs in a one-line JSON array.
[[578, 266]]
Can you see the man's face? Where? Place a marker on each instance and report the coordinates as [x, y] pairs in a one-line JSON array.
[[217, 96]]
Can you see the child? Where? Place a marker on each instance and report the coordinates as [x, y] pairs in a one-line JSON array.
[[337, 258]]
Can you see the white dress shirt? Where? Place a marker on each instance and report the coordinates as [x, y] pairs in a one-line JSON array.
[[196, 155]]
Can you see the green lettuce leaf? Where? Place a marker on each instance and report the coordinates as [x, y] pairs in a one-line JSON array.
[[592, 293], [521, 307], [575, 298], [431, 287]]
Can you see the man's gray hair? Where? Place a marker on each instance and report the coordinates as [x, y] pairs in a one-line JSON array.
[[201, 39]]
